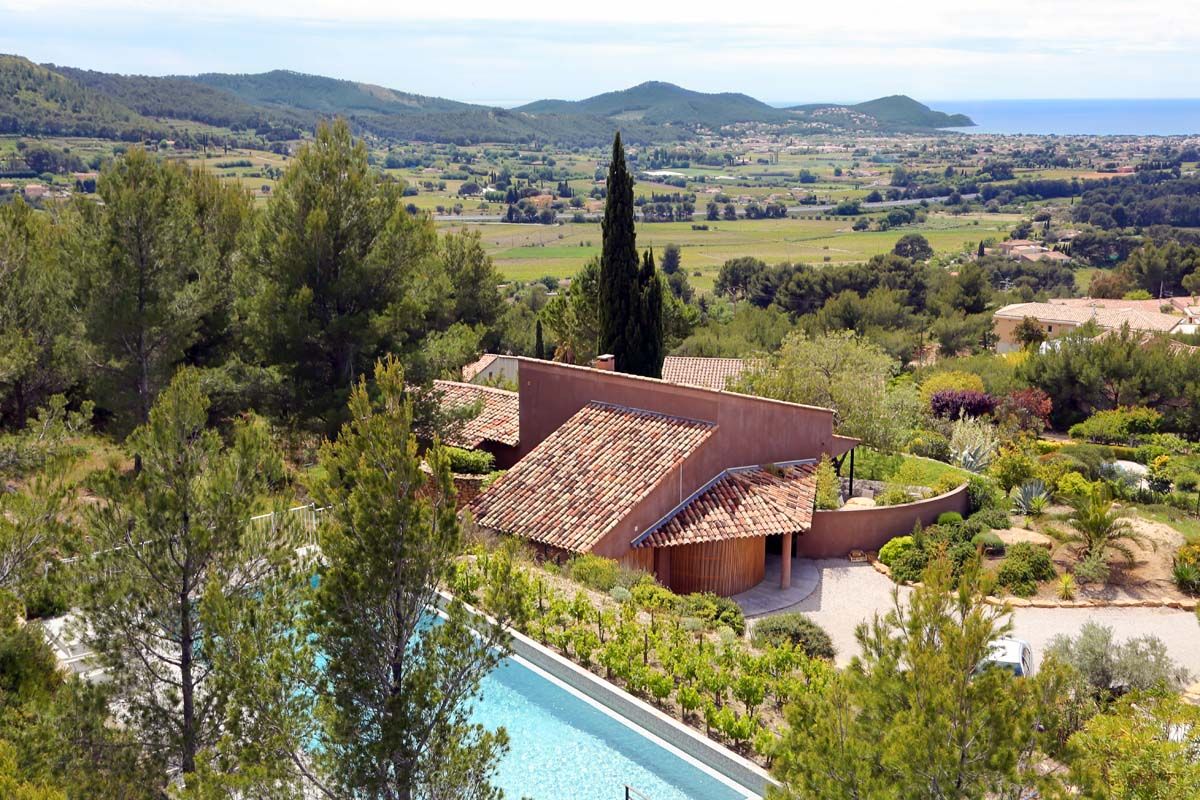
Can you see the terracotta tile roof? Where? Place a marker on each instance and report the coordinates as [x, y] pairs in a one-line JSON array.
[[713, 373], [740, 503], [499, 418], [585, 478], [1105, 317], [475, 367]]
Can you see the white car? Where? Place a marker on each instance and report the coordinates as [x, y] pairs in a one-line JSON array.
[[1014, 655]]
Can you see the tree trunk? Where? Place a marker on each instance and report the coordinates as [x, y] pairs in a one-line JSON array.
[[188, 760]]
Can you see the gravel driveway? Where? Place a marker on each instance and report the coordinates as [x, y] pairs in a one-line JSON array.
[[850, 593]]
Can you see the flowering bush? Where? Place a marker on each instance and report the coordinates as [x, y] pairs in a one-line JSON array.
[[956, 403], [1025, 409]]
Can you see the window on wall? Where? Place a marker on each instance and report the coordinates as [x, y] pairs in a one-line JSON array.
[[1049, 329]]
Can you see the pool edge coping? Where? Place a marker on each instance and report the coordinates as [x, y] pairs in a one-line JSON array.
[[636, 711]]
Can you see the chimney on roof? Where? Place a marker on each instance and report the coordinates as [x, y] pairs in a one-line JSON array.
[[606, 362]]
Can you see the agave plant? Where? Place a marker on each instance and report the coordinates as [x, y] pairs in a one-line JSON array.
[[1099, 528], [973, 444], [1031, 498]]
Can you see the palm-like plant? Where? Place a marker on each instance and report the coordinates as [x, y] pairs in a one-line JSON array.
[[1099, 528]]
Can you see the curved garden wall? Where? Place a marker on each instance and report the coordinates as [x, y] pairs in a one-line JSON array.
[[835, 533]]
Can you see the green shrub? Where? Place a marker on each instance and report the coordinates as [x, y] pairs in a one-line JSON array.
[[594, 572], [1118, 426], [829, 490], [994, 518], [1187, 480], [989, 542], [652, 597], [893, 548], [982, 493], [949, 517], [1012, 467], [620, 594], [1093, 568], [1187, 577], [1024, 567], [1091, 457], [715, 611], [893, 495], [470, 462], [797, 629], [947, 483], [930, 444], [909, 565], [1072, 484]]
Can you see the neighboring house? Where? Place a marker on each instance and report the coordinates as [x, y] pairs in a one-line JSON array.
[[1026, 250], [714, 373], [691, 483], [492, 368], [1057, 319], [495, 429], [1184, 305]]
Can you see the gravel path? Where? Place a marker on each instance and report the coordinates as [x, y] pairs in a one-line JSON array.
[[850, 593]]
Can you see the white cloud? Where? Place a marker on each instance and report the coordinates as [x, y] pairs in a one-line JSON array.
[[777, 49]]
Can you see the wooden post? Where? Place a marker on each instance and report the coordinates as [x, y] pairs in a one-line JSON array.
[[851, 492], [785, 572]]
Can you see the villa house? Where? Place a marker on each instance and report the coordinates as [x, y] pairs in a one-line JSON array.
[[689, 482], [1058, 319]]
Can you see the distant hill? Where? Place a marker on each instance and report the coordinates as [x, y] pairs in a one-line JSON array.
[[281, 105], [902, 111], [175, 98], [659, 103], [289, 90], [37, 100]]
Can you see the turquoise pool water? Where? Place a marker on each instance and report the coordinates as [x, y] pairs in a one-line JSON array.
[[564, 748]]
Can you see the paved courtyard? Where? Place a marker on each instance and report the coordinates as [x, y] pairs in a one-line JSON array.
[[848, 594]]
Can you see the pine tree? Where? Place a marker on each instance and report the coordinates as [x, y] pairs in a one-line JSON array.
[[619, 295], [396, 690], [165, 538]]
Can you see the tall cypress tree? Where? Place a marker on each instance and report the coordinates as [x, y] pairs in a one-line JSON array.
[[539, 349], [619, 289], [650, 345]]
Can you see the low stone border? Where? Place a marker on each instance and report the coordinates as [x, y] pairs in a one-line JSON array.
[[1184, 604]]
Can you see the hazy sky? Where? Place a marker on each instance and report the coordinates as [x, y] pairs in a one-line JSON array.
[[798, 50]]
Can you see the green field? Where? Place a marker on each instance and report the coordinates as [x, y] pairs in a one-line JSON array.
[[527, 252]]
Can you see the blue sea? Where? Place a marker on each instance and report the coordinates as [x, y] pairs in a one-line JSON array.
[[1078, 117]]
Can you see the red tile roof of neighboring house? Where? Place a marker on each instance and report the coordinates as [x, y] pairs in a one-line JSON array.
[[475, 367], [713, 373], [740, 503], [499, 418], [587, 476]]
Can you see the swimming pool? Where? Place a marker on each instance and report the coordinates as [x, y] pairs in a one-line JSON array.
[[565, 747]]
